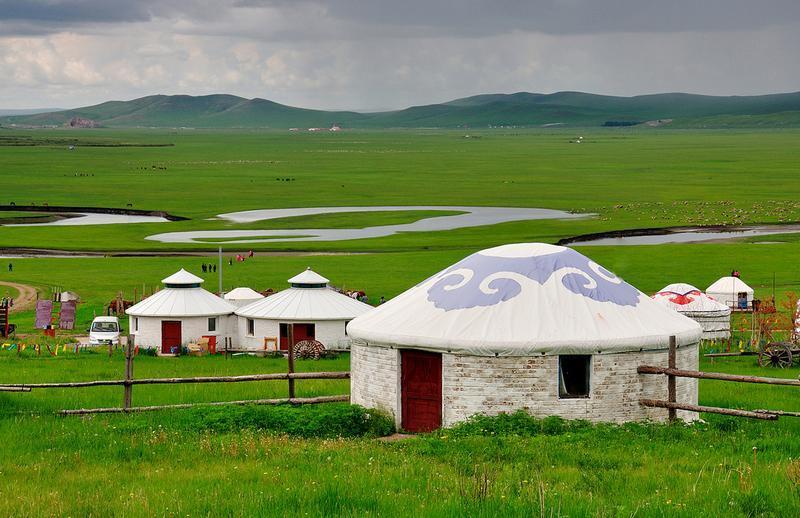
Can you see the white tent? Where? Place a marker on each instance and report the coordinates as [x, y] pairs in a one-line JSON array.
[[526, 326], [242, 296], [179, 313], [732, 292], [714, 317], [522, 299], [314, 309], [67, 296]]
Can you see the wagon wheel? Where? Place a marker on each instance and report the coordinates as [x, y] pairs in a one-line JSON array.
[[308, 349], [776, 355]]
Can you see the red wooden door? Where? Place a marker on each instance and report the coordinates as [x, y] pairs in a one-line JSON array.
[[301, 332], [421, 390], [170, 336]]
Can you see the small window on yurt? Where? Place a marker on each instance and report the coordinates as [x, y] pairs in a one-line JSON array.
[[345, 327], [251, 327], [212, 324], [135, 323], [573, 375]]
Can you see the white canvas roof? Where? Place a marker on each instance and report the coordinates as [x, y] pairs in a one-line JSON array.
[[525, 299], [183, 300], [729, 286], [243, 293], [182, 277], [689, 300], [306, 304], [308, 276]]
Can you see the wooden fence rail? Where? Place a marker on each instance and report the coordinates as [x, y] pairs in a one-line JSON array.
[[196, 379], [129, 382], [672, 372]]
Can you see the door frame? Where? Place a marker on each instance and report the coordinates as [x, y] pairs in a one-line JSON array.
[[401, 417], [180, 328]]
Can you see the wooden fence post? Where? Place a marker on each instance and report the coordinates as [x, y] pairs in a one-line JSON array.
[[126, 404], [291, 359], [671, 389]]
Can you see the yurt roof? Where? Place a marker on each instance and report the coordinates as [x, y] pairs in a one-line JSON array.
[[306, 304], [729, 285], [524, 299], [308, 276], [183, 297], [243, 293], [687, 299], [182, 277]]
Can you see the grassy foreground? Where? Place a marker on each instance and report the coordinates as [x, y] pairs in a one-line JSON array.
[[175, 463]]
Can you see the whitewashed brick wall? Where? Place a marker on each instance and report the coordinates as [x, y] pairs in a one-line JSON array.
[[492, 385], [375, 378]]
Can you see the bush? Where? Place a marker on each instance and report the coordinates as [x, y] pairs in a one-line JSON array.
[[312, 421], [520, 423]]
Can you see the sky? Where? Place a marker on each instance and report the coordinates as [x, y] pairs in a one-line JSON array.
[[389, 54]]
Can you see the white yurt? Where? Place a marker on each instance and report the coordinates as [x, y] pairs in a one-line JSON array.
[[242, 296], [312, 309], [714, 317], [733, 292], [179, 314], [526, 326]]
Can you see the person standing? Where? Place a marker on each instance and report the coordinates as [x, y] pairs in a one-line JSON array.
[[10, 267]]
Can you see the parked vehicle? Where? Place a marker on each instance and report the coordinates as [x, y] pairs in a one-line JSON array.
[[104, 331]]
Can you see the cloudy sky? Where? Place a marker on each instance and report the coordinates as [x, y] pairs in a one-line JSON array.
[[382, 54]]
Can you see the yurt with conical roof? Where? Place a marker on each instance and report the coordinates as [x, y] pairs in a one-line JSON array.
[[733, 292], [528, 326], [714, 317], [242, 296], [308, 310], [180, 313]]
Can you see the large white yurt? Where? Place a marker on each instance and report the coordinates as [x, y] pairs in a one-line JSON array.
[[733, 292], [526, 326], [312, 309], [714, 317], [242, 296], [181, 313]]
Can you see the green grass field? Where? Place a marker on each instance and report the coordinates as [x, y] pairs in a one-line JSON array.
[[178, 462], [160, 464]]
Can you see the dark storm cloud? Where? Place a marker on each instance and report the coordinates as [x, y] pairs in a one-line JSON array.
[[74, 11], [481, 17]]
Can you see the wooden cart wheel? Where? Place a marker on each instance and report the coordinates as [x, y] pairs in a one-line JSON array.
[[308, 349], [776, 355]]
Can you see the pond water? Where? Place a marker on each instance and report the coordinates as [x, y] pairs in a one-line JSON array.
[[690, 236], [471, 217], [91, 218]]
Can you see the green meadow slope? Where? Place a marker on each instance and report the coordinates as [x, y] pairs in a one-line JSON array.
[[519, 109]]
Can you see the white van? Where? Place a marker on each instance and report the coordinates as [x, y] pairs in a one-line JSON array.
[[104, 331]]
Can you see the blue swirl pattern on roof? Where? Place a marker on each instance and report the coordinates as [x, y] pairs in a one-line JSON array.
[[483, 280]]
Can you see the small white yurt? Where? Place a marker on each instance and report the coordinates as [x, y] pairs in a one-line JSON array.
[[714, 317], [67, 296], [179, 314], [309, 310], [242, 296], [733, 292], [527, 326]]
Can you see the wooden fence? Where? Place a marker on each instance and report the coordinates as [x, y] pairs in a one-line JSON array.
[[672, 372], [129, 382]]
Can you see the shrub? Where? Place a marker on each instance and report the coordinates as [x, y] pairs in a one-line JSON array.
[[311, 421]]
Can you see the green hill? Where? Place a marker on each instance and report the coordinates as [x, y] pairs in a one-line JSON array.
[[519, 109]]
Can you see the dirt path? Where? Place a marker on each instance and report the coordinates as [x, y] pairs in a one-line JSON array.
[[26, 298]]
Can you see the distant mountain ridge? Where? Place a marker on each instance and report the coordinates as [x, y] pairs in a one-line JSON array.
[[518, 109]]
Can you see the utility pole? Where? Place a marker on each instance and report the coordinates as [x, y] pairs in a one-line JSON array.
[[220, 271]]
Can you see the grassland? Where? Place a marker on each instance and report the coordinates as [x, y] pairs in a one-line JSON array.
[[161, 464], [179, 462]]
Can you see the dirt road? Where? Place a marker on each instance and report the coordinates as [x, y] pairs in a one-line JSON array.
[[26, 298]]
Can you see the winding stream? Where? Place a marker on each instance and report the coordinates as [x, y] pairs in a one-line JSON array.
[[472, 217]]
